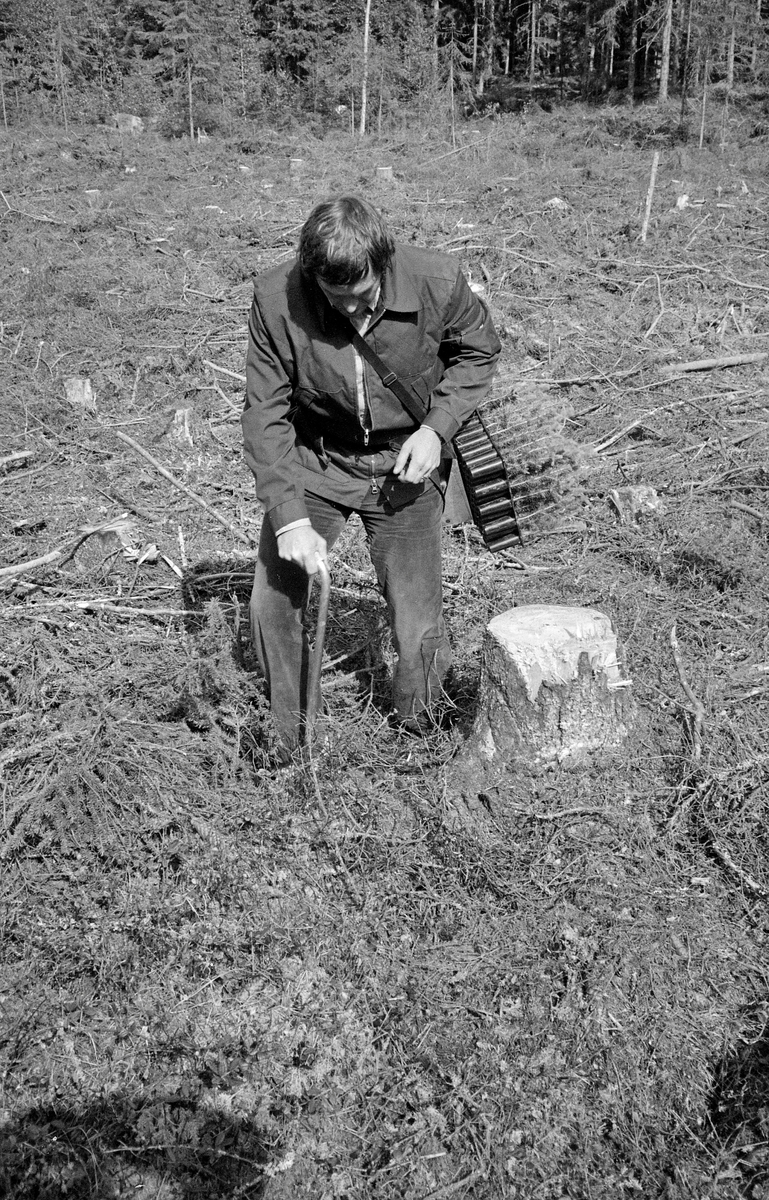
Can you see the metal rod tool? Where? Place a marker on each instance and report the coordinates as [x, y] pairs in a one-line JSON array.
[[316, 660]]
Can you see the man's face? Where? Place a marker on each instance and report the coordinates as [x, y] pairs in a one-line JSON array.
[[352, 299]]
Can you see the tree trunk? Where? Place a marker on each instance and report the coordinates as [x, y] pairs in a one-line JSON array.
[[491, 34], [379, 110], [730, 49], [589, 52], [59, 74], [686, 60], [532, 45], [667, 29], [551, 691], [631, 62], [364, 81], [475, 43], [190, 111], [561, 52], [648, 52], [706, 77]]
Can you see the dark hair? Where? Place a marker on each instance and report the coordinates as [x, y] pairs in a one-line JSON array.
[[343, 240]]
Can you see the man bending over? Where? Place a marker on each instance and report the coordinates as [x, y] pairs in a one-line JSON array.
[[325, 437]]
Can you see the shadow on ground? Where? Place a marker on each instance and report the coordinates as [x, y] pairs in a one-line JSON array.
[[164, 1147], [740, 1109]]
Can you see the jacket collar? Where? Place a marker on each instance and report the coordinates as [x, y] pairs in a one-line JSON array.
[[399, 292]]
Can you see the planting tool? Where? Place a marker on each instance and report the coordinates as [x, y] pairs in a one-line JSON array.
[[316, 661]]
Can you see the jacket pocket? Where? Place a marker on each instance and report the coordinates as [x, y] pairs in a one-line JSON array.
[[324, 404]]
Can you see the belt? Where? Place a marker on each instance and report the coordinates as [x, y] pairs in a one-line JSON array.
[[322, 445]]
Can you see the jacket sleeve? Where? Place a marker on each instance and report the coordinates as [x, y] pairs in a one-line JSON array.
[[469, 349], [268, 433]]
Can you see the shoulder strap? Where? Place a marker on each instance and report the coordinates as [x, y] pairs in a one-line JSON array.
[[413, 406]]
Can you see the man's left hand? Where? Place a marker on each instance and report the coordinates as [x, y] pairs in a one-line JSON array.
[[419, 456]]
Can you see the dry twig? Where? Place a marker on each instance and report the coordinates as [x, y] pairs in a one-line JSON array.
[[31, 216], [748, 882], [712, 364], [129, 441], [97, 605], [449, 153], [746, 508], [661, 312], [14, 460], [223, 370], [615, 437], [607, 377], [698, 706], [561, 814], [235, 409], [450, 1189], [61, 554]]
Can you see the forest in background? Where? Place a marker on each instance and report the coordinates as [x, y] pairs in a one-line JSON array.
[[370, 65]]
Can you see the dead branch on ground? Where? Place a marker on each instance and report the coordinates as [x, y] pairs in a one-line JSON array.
[[223, 370], [699, 708], [177, 483], [661, 312], [17, 459], [752, 512], [748, 882], [615, 437], [712, 364], [31, 216], [62, 554]]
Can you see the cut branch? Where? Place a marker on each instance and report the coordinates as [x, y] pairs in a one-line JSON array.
[[63, 553], [581, 380], [616, 437], [712, 364], [752, 512], [14, 460], [448, 154], [748, 882], [31, 216], [182, 487], [697, 705], [223, 370], [107, 606]]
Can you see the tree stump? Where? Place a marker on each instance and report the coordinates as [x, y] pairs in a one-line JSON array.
[[552, 690]]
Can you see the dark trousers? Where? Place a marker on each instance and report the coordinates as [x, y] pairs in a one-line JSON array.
[[405, 550]]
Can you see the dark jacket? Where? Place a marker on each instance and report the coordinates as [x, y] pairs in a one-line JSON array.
[[301, 398]]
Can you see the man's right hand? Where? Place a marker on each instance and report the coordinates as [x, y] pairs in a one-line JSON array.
[[302, 546]]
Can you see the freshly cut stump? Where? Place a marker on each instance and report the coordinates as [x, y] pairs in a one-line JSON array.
[[551, 689]]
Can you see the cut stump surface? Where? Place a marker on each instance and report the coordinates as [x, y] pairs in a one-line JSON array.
[[552, 689]]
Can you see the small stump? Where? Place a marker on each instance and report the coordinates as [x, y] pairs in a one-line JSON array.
[[551, 690]]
